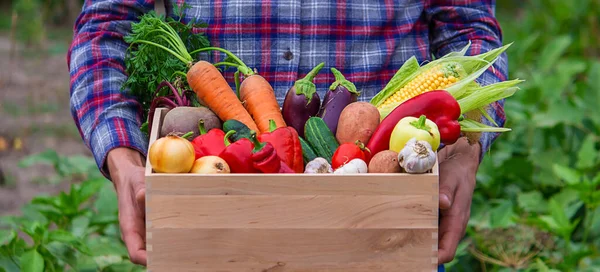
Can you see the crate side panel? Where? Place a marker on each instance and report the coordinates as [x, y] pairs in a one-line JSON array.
[[292, 250], [159, 117], [288, 211], [187, 184]]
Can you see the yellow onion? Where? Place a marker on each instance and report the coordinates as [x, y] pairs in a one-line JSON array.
[[172, 154], [210, 165]]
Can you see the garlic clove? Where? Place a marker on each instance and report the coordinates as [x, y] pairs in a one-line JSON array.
[[417, 157]]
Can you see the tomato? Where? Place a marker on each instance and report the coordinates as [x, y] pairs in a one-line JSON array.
[[349, 151]]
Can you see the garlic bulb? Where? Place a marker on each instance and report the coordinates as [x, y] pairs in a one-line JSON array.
[[355, 166], [416, 157], [318, 166]]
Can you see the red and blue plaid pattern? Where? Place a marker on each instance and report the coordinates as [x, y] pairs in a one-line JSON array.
[[366, 40]]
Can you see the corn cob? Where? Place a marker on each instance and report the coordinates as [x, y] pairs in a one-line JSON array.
[[435, 78]]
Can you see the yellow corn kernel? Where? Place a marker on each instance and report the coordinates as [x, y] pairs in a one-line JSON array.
[[438, 77]]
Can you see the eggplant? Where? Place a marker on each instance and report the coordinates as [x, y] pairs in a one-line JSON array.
[[340, 94], [302, 101]]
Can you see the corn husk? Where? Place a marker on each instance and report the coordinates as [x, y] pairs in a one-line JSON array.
[[470, 68]]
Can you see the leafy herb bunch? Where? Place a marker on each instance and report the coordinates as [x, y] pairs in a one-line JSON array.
[[147, 65]]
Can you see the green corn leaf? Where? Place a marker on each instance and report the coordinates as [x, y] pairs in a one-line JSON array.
[[467, 125], [487, 116], [485, 95], [406, 73], [460, 53]]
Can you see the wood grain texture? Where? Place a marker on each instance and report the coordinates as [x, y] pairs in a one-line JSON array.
[[159, 116], [291, 250], [384, 184], [270, 223], [319, 211]]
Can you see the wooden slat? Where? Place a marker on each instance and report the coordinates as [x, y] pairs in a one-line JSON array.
[[292, 185], [181, 211], [159, 116], [308, 223], [291, 250]]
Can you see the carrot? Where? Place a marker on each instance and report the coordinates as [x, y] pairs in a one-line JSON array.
[[211, 88], [259, 100]]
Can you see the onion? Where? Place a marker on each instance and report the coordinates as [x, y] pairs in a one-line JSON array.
[[210, 165], [172, 154]]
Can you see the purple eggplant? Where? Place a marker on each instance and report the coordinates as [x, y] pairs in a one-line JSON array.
[[340, 94], [302, 101]]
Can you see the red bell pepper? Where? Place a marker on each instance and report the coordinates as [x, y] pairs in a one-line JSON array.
[[438, 106], [209, 143], [265, 158], [287, 144], [238, 155]]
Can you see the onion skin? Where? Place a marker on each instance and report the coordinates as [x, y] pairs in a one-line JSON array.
[[210, 165], [171, 154]]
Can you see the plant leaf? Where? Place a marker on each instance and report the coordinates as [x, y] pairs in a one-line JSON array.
[[62, 252], [569, 175], [552, 52], [69, 239], [48, 156], [501, 216], [586, 157], [32, 261], [532, 202], [6, 236]]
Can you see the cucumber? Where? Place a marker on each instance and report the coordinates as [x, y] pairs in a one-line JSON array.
[[320, 138], [241, 130], [307, 151]]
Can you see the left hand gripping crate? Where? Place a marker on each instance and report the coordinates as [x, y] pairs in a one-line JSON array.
[[290, 222]]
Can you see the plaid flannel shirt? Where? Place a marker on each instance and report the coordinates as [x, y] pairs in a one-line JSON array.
[[366, 40]]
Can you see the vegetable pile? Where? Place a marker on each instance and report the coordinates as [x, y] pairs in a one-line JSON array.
[[245, 131]]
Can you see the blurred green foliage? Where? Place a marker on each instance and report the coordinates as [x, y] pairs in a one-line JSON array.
[[77, 230], [538, 186], [536, 206]]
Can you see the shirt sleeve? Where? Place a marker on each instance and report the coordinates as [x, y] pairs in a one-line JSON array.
[[106, 116], [453, 24]]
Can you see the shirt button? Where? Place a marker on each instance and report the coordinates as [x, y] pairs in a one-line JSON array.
[[288, 55]]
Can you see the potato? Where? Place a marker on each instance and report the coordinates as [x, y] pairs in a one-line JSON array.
[[385, 162], [185, 119], [357, 121]]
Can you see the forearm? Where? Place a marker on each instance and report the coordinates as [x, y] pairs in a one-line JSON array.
[[106, 116], [453, 26]]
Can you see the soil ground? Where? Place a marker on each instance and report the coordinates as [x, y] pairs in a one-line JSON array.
[[34, 104], [35, 113]]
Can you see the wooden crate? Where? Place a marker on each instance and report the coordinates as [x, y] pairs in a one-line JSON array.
[[254, 222]]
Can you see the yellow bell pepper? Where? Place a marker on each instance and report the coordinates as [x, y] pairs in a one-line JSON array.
[[410, 127]]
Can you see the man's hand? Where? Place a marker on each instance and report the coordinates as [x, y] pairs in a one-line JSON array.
[[126, 167], [458, 166]]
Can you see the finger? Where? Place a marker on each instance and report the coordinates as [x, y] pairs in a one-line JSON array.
[[449, 237], [449, 181], [132, 231], [454, 222], [132, 227], [140, 198]]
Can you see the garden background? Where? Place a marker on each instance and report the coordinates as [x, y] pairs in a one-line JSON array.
[[536, 206]]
